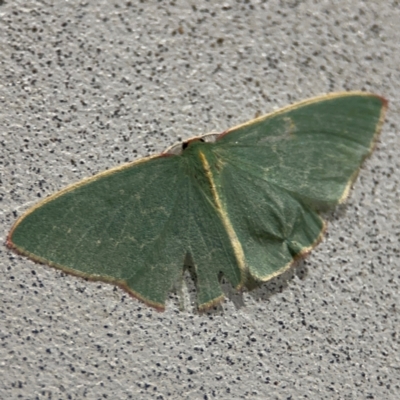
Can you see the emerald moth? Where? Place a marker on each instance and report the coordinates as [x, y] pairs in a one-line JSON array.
[[244, 205]]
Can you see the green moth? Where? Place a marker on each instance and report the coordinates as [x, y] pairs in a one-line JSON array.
[[244, 205]]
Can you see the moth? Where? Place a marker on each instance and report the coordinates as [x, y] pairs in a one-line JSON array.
[[243, 204]]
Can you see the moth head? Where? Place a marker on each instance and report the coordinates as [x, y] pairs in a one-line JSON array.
[[178, 148]]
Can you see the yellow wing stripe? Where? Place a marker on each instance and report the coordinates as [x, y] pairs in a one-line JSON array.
[[237, 247]]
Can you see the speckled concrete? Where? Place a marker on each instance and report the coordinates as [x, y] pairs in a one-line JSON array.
[[85, 86]]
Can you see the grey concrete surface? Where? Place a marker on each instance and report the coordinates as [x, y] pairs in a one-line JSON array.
[[85, 86]]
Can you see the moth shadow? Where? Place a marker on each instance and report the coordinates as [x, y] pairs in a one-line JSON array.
[[186, 291], [338, 212], [263, 291], [184, 296]]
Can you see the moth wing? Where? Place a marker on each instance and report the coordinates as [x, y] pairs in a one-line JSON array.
[[132, 226], [276, 172], [312, 149]]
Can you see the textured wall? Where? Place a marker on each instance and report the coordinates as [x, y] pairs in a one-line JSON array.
[[85, 86]]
